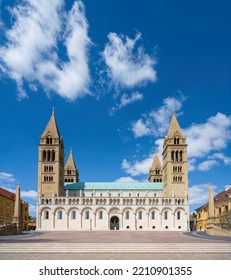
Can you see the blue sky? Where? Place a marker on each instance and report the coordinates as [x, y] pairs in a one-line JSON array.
[[114, 71]]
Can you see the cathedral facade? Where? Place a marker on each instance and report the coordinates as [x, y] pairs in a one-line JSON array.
[[64, 203]]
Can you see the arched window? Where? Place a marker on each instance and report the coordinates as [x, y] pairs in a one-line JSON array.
[[53, 155], [181, 155], [48, 155], [101, 215], [50, 142], [172, 155], [60, 215], [178, 215], [174, 141], [72, 180], [179, 169], [165, 215], [154, 180], [65, 180], [160, 180], [46, 215], [127, 215], [73, 215], [87, 215], [44, 155], [153, 215], [140, 215], [177, 156]]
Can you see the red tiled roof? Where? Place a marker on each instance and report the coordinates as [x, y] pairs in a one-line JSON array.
[[7, 194], [218, 198]]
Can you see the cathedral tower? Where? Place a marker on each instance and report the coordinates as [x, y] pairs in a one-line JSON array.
[[51, 161], [155, 172], [175, 163], [71, 173]]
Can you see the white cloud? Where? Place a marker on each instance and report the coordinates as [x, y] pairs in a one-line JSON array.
[[213, 135], [198, 194], [24, 194], [207, 164], [126, 180], [29, 194], [32, 46], [220, 156], [126, 100], [32, 209], [157, 121], [139, 128], [128, 66], [6, 178], [138, 167], [205, 140]]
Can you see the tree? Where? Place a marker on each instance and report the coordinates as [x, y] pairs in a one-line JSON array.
[[225, 219]]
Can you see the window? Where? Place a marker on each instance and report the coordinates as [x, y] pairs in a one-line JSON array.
[[172, 155], [153, 215], [53, 155], [181, 155], [130, 195], [44, 155], [178, 215], [101, 215], [219, 210], [127, 215], [73, 215], [46, 215], [166, 215], [60, 215], [140, 215], [87, 215]]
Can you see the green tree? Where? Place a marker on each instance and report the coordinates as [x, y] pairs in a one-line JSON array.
[[225, 219]]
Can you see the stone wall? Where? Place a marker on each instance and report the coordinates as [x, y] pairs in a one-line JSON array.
[[8, 230], [216, 230]]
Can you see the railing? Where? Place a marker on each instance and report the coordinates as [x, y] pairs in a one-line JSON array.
[[112, 201]]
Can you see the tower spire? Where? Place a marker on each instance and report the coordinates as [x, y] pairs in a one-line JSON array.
[[71, 173]]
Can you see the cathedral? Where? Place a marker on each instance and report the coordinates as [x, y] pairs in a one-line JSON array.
[[159, 204]]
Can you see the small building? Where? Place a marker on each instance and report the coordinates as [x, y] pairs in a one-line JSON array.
[[7, 205], [222, 204]]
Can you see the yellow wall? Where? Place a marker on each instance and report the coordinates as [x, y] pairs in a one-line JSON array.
[[7, 212], [202, 214]]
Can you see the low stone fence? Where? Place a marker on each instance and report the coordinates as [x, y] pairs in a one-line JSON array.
[[10, 229], [216, 230]]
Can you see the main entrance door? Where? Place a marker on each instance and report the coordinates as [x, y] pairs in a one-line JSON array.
[[114, 223]]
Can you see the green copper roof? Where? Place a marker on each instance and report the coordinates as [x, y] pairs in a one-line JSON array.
[[113, 186]]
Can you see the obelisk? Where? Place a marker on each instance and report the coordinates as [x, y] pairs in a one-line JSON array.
[[211, 214], [17, 211]]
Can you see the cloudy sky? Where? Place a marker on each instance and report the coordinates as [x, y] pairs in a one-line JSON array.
[[115, 71]]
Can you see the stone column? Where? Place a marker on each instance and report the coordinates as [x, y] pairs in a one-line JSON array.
[[17, 218], [211, 216], [211, 202]]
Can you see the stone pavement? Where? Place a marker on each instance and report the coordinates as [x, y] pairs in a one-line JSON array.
[[134, 245]]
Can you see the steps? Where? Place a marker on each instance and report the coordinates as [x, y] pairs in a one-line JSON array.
[[82, 248]]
